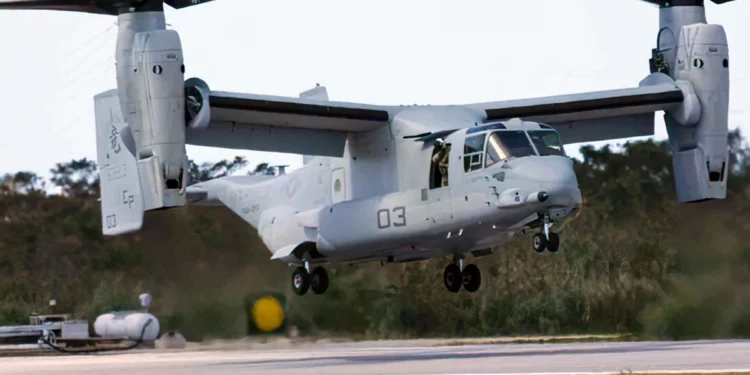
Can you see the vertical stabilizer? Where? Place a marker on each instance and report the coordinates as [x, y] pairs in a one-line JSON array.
[[121, 197]]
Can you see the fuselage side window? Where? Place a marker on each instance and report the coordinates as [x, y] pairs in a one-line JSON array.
[[547, 142], [503, 145], [474, 152]]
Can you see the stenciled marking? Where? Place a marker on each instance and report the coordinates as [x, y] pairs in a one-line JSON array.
[[128, 199], [114, 138], [384, 218], [111, 221], [116, 173]]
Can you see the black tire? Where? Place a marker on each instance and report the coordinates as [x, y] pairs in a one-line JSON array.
[[554, 243], [300, 281], [319, 280], [472, 278], [453, 278], [540, 243]]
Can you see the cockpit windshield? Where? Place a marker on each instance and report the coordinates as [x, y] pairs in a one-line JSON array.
[[547, 142], [503, 145]]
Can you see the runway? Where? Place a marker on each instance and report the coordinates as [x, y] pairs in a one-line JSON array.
[[420, 357]]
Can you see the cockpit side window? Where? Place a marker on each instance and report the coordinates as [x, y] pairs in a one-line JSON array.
[[474, 152], [547, 142], [503, 145]]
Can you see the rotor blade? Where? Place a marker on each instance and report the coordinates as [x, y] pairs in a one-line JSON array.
[[678, 3], [87, 6], [179, 4], [112, 7]]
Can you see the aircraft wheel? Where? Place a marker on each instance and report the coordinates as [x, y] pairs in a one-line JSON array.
[[540, 242], [472, 278], [453, 278], [300, 281], [554, 242], [319, 280]]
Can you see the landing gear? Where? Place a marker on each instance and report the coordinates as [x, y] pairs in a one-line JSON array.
[[554, 243], [546, 240], [472, 278], [540, 243], [319, 280], [302, 280], [454, 277]]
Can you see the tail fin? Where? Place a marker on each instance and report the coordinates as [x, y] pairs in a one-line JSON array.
[[317, 93], [121, 196]]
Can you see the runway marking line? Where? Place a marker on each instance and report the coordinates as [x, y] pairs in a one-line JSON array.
[[657, 372]]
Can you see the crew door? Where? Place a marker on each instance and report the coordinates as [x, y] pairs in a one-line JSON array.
[[439, 193]]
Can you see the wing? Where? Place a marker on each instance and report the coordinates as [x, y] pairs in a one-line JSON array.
[[596, 116], [283, 124]]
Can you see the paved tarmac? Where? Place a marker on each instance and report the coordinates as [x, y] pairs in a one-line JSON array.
[[408, 358]]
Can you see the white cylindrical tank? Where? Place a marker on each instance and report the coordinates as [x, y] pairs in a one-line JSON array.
[[127, 325]]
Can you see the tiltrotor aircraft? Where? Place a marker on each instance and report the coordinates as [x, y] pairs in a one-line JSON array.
[[391, 183]]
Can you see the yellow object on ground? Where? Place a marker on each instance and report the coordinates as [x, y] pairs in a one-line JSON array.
[[268, 315]]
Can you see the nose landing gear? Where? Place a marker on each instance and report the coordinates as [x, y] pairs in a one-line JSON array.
[[546, 240], [456, 275]]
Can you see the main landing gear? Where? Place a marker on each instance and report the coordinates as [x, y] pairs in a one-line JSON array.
[[302, 280], [546, 240], [456, 275]]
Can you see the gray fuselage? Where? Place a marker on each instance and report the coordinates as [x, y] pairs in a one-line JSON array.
[[383, 201]]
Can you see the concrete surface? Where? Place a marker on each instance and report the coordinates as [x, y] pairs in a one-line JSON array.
[[409, 357]]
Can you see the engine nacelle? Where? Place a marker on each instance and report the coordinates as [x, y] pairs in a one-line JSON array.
[[159, 122], [701, 148]]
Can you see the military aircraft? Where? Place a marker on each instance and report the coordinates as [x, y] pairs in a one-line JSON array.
[[391, 183]]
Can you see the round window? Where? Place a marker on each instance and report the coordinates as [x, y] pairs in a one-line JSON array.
[[337, 186]]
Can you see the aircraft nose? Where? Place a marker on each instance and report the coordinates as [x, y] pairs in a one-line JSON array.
[[557, 170]]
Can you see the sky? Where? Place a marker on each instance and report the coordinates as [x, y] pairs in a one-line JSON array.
[[367, 51]]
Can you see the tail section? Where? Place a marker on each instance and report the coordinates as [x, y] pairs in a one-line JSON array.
[[242, 194], [121, 197]]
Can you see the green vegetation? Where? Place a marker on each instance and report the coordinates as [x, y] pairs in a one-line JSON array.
[[635, 261]]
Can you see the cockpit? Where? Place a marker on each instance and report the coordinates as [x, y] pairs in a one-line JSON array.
[[489, 144]]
